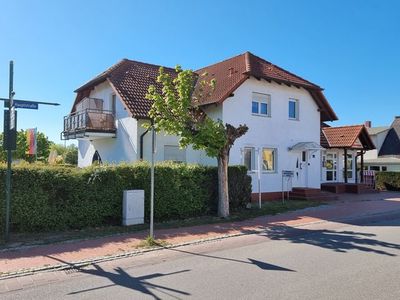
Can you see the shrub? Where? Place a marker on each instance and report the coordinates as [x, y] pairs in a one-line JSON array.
[[388, 181], [48, 198]]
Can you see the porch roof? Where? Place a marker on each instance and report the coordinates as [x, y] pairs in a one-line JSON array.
[[302, 146], [346, 137]]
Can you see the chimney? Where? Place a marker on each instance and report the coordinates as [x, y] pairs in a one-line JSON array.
[[230, 71], [367, 124]]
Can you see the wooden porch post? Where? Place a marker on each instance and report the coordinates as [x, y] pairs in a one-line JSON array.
[[362, 166], [355, 164], [345, 165]]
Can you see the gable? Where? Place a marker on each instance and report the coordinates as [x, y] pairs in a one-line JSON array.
[[391, 144]]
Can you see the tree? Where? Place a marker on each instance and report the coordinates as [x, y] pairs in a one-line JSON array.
[[177, 111], [68, 154], [42, 142]]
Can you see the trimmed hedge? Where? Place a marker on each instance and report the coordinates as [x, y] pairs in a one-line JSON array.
[[388, 181], [46, 198]]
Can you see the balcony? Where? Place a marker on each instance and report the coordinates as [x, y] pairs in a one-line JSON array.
[[89, 123]]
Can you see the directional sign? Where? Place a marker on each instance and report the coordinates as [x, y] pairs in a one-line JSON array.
[[25, 104]]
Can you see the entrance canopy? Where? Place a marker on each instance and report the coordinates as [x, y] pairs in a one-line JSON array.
[[346, 137], [304, 146]]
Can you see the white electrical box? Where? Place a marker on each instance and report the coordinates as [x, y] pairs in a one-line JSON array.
[[133, 207]]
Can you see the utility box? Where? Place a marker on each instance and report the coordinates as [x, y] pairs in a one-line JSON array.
[[133, 207]]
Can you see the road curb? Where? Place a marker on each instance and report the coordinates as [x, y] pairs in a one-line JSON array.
[[86, 262]]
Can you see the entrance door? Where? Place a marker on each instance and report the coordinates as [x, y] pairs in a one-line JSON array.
[[304, 168], [331, 167]]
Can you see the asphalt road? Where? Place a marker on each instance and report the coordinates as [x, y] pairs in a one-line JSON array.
[[321, 261]]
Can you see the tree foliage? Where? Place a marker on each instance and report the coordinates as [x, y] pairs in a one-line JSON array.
[[67, 154], [176, 111], [43, 147]]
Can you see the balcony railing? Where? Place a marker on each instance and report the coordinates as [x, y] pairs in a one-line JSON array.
[[84, 122]]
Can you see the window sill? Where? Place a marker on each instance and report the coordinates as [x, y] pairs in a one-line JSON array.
[[294, 119], [261, 115]]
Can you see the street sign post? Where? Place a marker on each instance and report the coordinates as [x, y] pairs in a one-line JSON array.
[[10, 137]]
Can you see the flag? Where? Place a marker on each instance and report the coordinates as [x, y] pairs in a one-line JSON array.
[[31, 139]]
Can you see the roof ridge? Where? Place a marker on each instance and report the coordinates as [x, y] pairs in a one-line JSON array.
[[284, 70], [344, 126], [217, 63], [147, 64]]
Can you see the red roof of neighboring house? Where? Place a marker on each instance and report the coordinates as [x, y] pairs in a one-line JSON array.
[[131, 80], [351, 137]]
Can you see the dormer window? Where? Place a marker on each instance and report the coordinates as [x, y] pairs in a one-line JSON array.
[[261, 104]]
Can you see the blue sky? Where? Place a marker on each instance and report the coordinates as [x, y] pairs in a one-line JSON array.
[[351, 48]]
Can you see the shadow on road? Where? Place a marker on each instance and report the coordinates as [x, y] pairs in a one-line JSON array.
[[339, 241], [262, 265], [121, 278]]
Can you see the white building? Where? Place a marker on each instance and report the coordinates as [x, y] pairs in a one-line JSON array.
[[283, 112]]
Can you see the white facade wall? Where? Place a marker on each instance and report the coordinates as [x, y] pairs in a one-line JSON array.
[[276, 131], [112, 150]]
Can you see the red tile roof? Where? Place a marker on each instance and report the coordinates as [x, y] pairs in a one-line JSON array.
[[351, 137], [131, 80], [231, 73]]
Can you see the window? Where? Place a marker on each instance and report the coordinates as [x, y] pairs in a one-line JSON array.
[[268, 159], [261, 105], [174, 153], [349, 162], [254, 107], [249, 158], [113, 103], [384, 168], [293, 109], [374, 168]]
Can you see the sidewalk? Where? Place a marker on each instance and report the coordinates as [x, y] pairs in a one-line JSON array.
[[21, 261]]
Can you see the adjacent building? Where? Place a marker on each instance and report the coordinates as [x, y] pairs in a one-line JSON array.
[[386, 156]]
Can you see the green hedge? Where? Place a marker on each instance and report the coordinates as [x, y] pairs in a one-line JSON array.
[[388, 181], [48, 198]]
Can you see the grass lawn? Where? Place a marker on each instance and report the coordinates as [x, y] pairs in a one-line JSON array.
[[268, 208]]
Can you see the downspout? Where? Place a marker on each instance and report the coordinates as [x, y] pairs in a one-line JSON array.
[[141, 143]]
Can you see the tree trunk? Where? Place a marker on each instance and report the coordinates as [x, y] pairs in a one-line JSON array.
[[223, 193]]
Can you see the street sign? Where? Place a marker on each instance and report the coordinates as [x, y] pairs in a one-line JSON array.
[[25, 104]]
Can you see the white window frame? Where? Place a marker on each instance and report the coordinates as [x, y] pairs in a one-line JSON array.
[[179, 149], [260, 98], [297, 106], [275, 157], [253, 163]]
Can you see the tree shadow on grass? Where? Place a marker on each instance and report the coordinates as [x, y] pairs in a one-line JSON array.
[[122, 279], [338, 241]]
